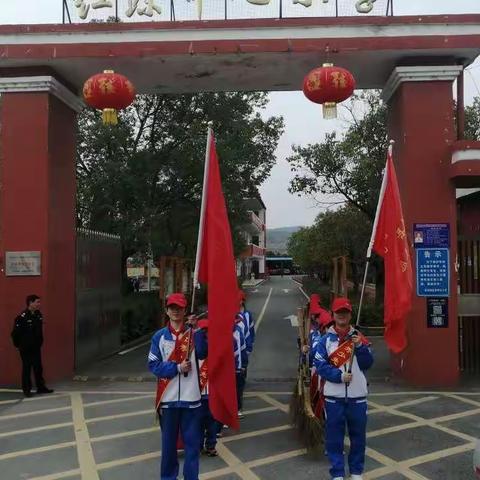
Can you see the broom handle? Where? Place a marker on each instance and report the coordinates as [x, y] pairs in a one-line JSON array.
[[301, 326], [308, 322], [301, 333]]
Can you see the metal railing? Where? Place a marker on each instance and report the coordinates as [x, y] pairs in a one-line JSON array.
[[114, 11]]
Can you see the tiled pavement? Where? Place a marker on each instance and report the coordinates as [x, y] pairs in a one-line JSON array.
[[107, 435]]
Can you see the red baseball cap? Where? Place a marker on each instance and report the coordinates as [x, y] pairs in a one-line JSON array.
[[325, 319], [315, 309], [203, 323], [177, 299], [314, 298], [341, 303]]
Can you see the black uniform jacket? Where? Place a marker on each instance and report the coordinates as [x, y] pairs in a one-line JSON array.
[[27, 333]]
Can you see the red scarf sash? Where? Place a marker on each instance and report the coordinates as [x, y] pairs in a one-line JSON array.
[[342, 354], [203, 375]]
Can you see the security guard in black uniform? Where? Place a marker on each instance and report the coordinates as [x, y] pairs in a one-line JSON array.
[[27, 336]]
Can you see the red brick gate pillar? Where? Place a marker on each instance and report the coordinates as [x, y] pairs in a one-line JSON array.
[[37, 215], [421, 121]]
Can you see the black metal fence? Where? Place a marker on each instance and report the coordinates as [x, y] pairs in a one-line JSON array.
[[98, 294], [84, 11]]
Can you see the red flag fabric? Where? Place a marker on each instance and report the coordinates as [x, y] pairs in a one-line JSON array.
[[391, 242], [217, 269]]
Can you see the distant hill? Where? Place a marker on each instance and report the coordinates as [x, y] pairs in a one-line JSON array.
[[277, 238]]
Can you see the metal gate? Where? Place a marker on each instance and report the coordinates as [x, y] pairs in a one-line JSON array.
[[469, 304], [99, 281]]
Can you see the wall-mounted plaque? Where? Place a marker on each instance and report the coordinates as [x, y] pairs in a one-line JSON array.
[[22, 264]]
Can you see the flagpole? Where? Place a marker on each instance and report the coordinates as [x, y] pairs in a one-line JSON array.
[[374, 231], [202, 214]]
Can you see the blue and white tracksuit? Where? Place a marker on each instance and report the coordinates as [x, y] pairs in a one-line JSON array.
[[241, 359], [313, 338], [249, 330], [180, 405], [344, 405], [210, 426]]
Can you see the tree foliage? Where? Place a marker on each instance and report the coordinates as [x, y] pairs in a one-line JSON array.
[[472, 120], [343, 232], [143, 178], [350, 165]]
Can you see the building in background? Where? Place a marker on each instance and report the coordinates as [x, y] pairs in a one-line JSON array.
[[252, 260], [143, 273], [280, 265]]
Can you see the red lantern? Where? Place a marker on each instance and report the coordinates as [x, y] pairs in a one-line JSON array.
[[328, 85], [109, 91]]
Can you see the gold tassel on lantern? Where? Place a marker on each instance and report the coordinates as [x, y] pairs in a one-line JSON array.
[[109, 116], [329, 110]]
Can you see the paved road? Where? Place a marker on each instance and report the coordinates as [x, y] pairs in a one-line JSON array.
[[274, 360], [104, 430], [274, 357]]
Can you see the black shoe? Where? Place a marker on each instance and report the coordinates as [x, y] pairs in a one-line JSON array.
[[211, 452], [44, 390], [28, 394]]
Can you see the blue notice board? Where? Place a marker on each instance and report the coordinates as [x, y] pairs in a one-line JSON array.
[[431, 235], [433, 272]]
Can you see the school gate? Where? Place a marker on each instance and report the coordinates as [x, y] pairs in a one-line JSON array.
[[415, 60]]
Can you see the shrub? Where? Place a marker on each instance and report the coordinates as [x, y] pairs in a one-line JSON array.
[[141, 315], [371, 315]]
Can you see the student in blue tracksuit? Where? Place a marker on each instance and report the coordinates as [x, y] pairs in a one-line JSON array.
[[241, 360], [248, 321], [173, 358], [210, 427], [345, 391]]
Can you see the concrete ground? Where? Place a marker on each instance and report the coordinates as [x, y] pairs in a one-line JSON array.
[[101, 427]]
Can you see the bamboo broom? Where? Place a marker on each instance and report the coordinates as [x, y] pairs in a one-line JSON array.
[[310, 428]]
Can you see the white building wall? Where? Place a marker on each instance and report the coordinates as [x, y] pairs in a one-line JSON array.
[[261, 265]]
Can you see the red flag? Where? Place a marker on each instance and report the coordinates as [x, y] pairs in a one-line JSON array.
[[391, 242], [216, 267]]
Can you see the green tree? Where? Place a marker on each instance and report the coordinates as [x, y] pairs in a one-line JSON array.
[[472, 120], [142, 178], [343, 232], [302, 246], [350, 166]]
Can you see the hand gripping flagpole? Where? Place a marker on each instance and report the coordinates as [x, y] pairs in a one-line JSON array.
[[374, 231], [203, 208]]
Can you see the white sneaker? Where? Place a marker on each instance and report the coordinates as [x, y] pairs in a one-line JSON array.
[[338, 478], [356, 477], [241, 414]]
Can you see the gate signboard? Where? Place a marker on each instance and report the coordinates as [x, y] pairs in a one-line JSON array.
[[22, 264], [437, 312], [182, 10], [433, 272], [431, 235]]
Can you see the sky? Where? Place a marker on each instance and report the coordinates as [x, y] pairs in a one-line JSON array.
[[303, 120]]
